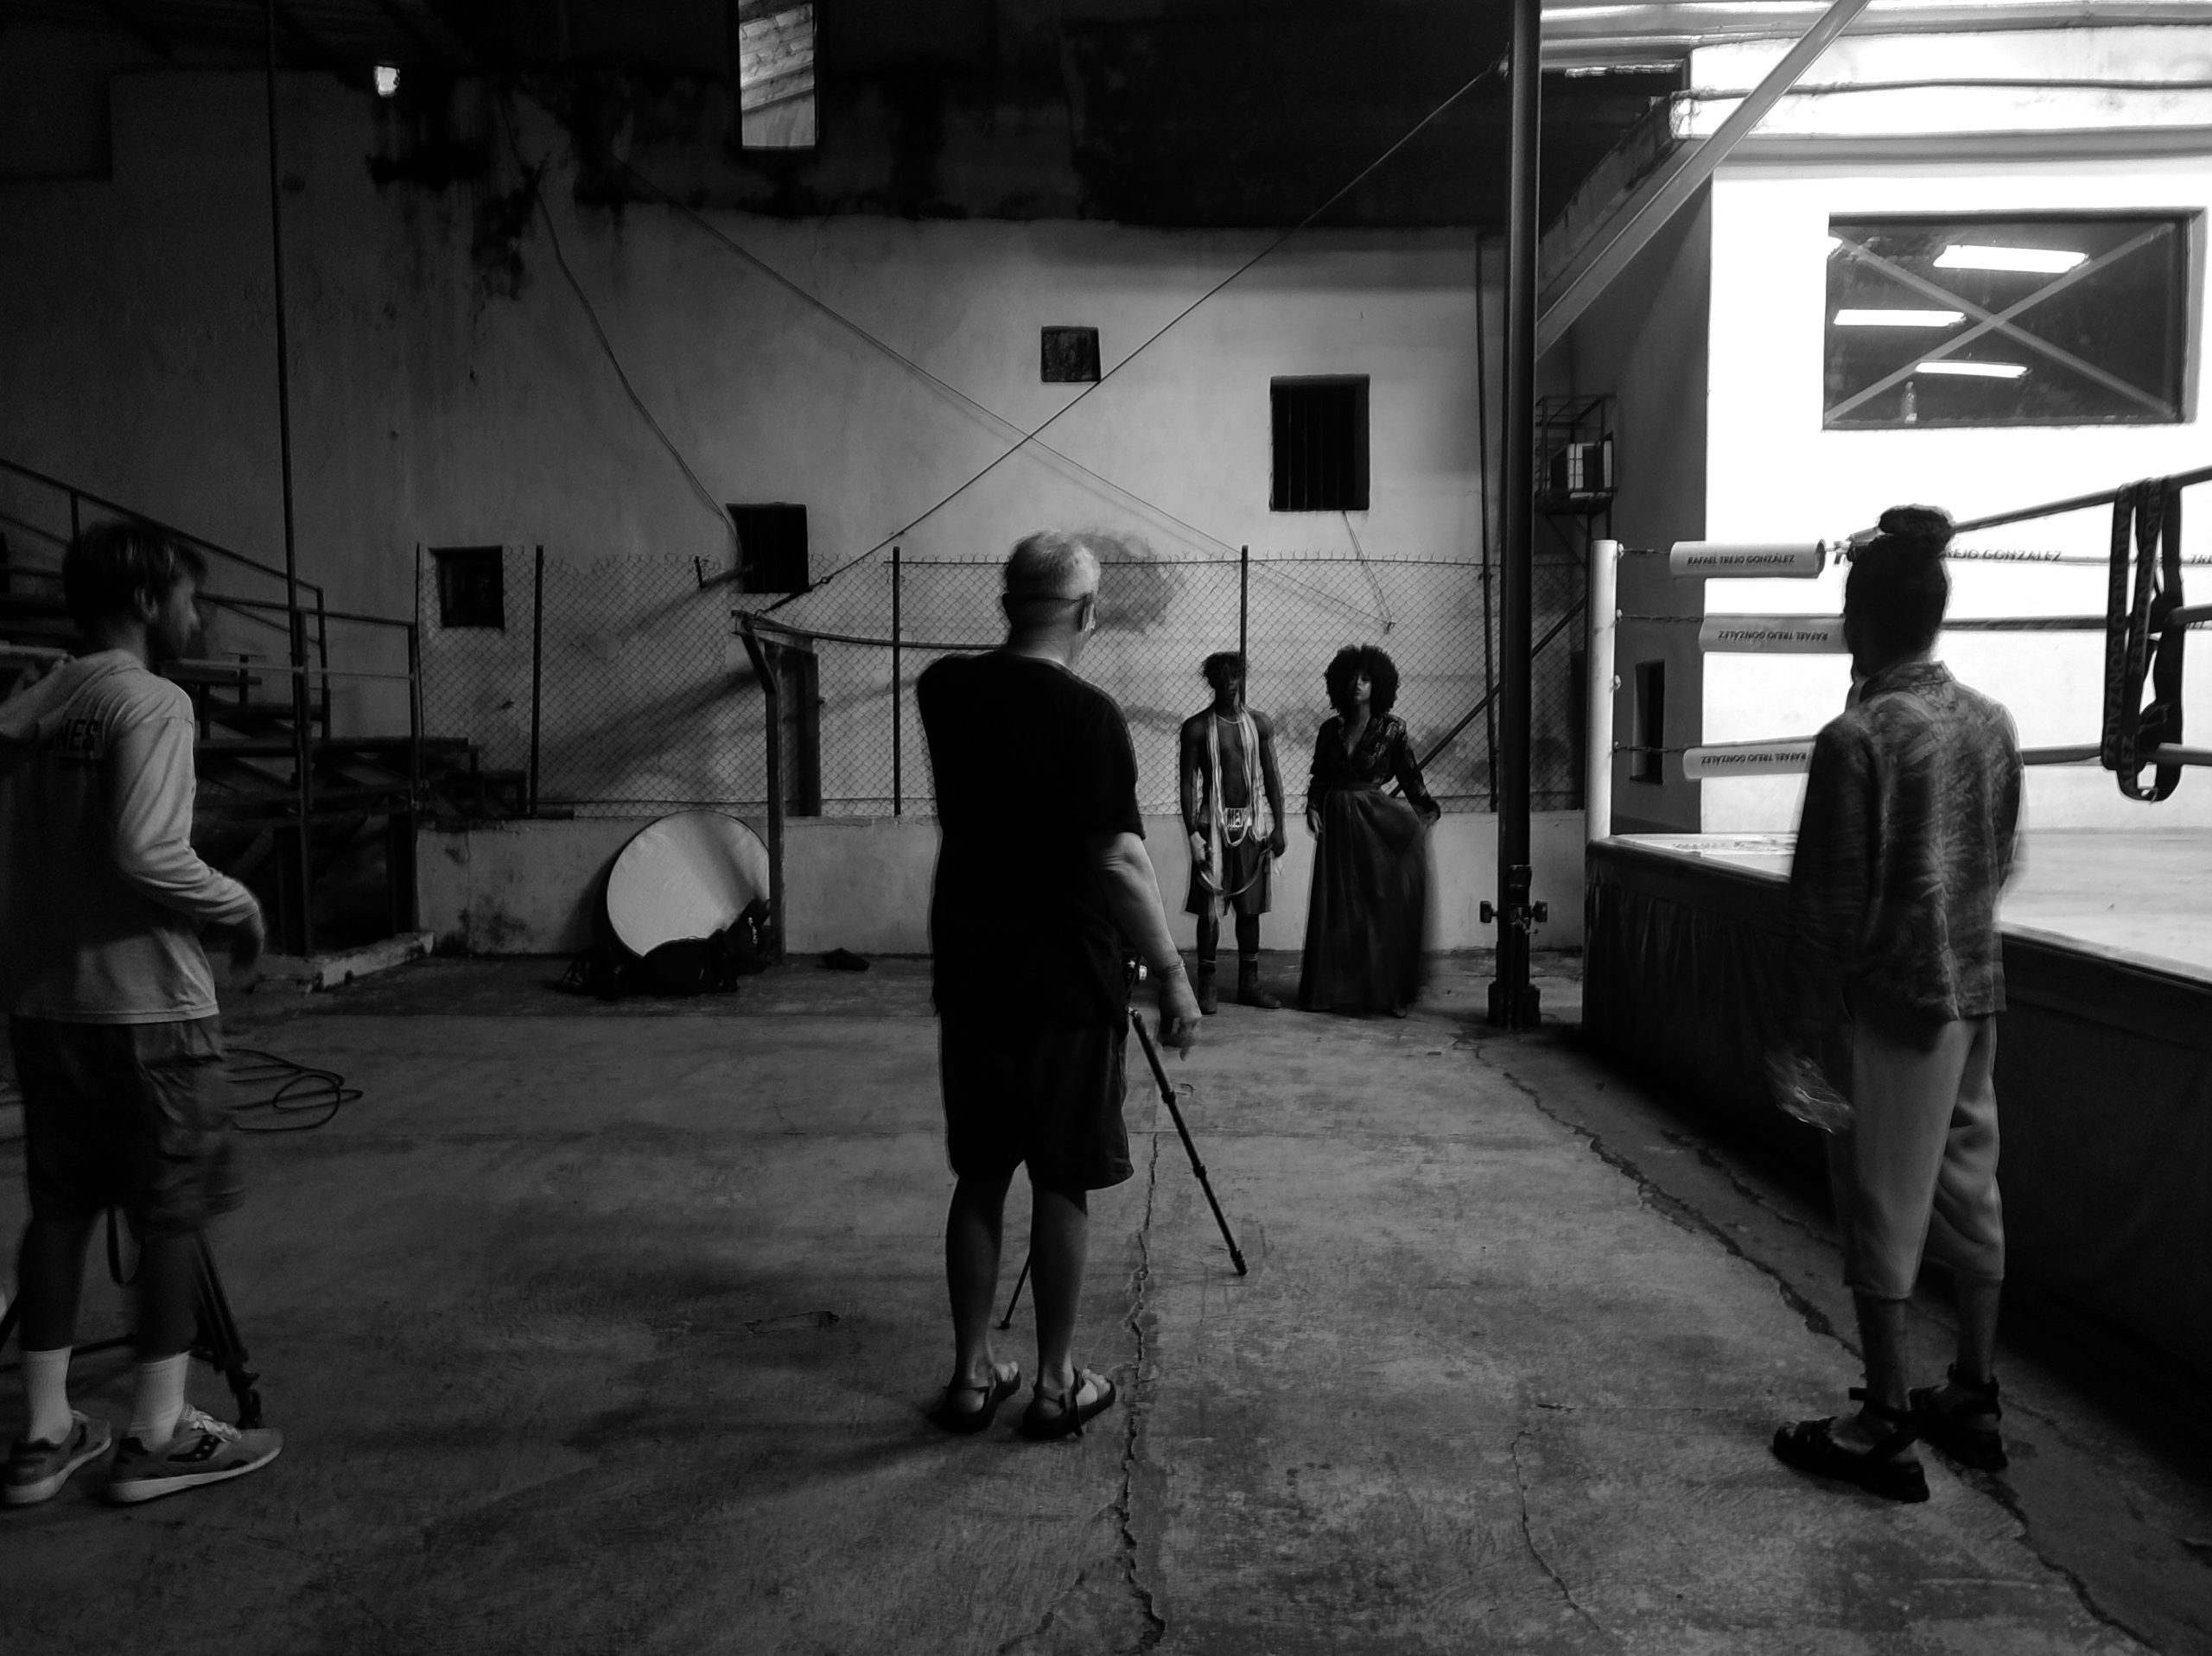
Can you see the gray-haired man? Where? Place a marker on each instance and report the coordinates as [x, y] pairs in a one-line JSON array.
[[1043, 886]]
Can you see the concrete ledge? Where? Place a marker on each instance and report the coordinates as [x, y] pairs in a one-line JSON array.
[[863, 882], [316, 972]]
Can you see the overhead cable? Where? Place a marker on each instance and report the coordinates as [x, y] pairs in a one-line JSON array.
[[531, 175]]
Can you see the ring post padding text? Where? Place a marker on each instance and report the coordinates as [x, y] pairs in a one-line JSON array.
[[1697, 560], [1772, 635], [1788, 757]]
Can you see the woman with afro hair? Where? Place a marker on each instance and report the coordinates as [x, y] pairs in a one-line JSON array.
[[1370, 861]]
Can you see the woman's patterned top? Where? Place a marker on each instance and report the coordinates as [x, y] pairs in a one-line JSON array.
[[1911, 808]]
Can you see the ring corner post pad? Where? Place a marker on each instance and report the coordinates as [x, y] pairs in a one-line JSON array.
[[1189, 1147]]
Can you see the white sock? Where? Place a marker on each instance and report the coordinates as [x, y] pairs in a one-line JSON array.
[[160, 1401], [46, 1390]]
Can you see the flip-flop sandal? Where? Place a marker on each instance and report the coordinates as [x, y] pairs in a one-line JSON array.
[[1982, 1447], [1068, 1423], [968, 1421], [1810, 1446]]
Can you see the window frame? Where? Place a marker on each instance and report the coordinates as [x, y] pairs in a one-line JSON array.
[[2173, 403], [770, 155], [1360, 485]]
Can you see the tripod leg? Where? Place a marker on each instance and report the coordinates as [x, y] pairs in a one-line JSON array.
[[1006, 1321], [1190, 1149], [218, 1339]]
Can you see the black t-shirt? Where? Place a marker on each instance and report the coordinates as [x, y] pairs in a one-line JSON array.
[[1030, 762]]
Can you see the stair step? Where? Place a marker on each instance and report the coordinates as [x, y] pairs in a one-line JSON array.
[[250, 713], [325, 747], [196, 673], [35, 629]]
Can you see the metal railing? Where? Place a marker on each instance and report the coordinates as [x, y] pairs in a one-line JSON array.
[[304, 627]]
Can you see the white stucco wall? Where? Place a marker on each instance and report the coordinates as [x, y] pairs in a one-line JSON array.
[[440, 398], [1773, 473]]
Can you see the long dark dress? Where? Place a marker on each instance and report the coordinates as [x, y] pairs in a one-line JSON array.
[[1370, 871]]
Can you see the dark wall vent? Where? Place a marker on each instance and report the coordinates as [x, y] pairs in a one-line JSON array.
[[472, 586]]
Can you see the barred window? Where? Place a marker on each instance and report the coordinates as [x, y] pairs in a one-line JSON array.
[[2052, 319], [1320, 444]]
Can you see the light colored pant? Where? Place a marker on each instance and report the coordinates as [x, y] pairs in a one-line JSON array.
[[1917, 1170]]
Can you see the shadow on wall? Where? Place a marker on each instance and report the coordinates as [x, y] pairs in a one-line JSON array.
[[699, 741]]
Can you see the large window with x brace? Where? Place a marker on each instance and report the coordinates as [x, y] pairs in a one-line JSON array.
[[2053, 319]]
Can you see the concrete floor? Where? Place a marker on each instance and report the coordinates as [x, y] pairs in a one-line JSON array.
[[610, 1328]]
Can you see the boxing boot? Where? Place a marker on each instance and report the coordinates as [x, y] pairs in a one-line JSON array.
[[1248, 991], [1209, 993]]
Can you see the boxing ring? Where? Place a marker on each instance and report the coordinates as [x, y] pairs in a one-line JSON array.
[[2105, 1053]]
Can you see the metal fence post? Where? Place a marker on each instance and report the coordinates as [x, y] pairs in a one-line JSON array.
[[898, 734], [1513, 1001], [1243, 606], [537, 668], [1603, 617], [764, 668]]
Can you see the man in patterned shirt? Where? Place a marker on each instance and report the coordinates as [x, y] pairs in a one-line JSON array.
[[1906, 839]]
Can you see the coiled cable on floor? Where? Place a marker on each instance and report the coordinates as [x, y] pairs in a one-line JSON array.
[[288, 1089]]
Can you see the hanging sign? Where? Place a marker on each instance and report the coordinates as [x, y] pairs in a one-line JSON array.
[[1772, 635], [1697, 559], [1788, 757]]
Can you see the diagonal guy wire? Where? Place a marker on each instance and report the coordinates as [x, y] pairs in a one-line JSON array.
[[531, 179], [2000, 321], [1032, 435]]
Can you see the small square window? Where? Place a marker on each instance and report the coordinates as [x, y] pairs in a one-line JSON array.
[[1320, 444], [2053, 320], [773, 43], [1070, 355], [771, 548], [471, 587]]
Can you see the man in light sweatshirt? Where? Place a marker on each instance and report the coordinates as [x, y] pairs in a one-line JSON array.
[[112, 1012]]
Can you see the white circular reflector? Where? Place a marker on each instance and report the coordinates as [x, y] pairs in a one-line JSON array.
[[688, 875]]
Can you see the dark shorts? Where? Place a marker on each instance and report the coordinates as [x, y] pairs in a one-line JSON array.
[[1049, 1097], [1247, 876], [125, 1115]]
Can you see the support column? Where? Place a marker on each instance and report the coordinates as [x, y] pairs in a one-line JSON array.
[[296, 929], [1603, 614], [1513, 1002]]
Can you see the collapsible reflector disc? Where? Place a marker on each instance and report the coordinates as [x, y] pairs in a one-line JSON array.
[[688, 875]]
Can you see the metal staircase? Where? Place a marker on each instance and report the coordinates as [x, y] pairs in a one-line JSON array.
[[311, 800]]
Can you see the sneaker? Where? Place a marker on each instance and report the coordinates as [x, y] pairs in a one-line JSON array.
[[204, 1450], [37, 1471]]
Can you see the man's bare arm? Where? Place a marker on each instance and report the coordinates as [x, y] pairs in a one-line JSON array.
[[1271, 779], [1192, 784], [1132, 899]]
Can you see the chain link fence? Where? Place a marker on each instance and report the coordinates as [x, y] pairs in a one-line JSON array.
[[642, 700], [612, 687], [1159, 620]]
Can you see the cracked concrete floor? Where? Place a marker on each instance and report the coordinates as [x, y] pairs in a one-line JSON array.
[[610, 1329]]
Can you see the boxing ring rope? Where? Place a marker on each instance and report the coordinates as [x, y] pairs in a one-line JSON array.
[[2144, 624]]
